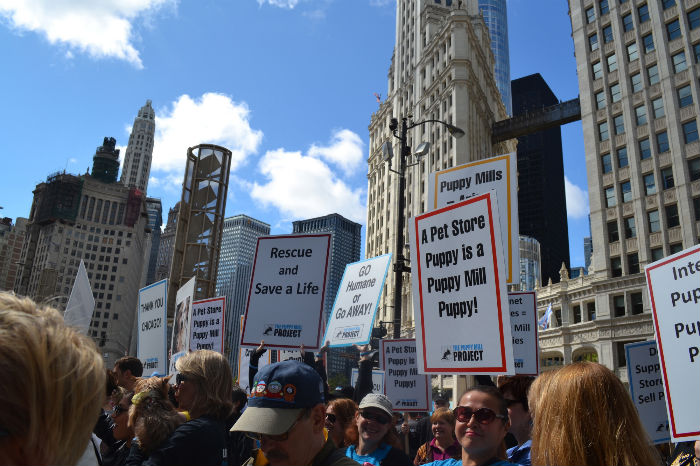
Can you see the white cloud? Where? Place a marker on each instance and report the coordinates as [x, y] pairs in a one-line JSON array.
[[72, 160], [380, 2], [304, 186], [210, 119], [576, 200], [280, 3], [345, 150], [101, 28]]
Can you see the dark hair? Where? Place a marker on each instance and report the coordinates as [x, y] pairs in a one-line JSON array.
[[130, 363], [238, 395], [517, 385], [494, 392], [111, 382]]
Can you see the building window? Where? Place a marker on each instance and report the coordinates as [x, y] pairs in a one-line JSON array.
[[696, 51], [577, 313], [668, 3], [694, 19], [613, 233], [690, 131], [679, 63], [648, 42], [630, 228], [694, 169], [673, 29], [622, 157], [593, 42], [632, 52], [662, 142], [632, 263], [685, 96], [615, 94], [641, 113], [627, 23], [590, 15], [597, 70], [604, 8], [636, 80], [603, 133], [590, 310], [653, 74], [674, 248], [654, 224], [619, 306], [612, 63], [657, 254], [626, 189], [644, 149], [610, 200], [619, 122], [600, 100], [672, 219], [696, 208], [607, 34], [643, 12], [658, 106], [616, 266], [606, 163]]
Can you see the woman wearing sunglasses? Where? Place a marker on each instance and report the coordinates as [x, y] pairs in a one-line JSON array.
[[377, 443], [121, 430], [340, 417]]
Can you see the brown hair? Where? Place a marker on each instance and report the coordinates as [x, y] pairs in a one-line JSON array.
[[585, 416], [517, 385], [211, 374], [130, 363], [345, 409], [443, 414], [151, 415]]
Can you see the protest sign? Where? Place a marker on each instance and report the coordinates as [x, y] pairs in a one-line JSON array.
[[180, 343], [459, 295], [647, 390], [523, 328], [286, 355], [81, 302], [403, 385], [377, 380], [244, 353], [208, 324], [356, 303], [151, 347], [287, 289], [674, 293], [447, 187]]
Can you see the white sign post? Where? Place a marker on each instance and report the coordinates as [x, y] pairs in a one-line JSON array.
[[208, 324], [647, 390], [456, 184], [356, 302], [523, 323], [377, 380], [180, 343], [403, 385], [153, 330], [287, 288], [459, 294], [674, 293]]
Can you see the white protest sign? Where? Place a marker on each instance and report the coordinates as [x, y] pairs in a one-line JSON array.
[[459, 294], [356, 302], [208, 324], [287, 288], [674, 293], [377, 379], [180, 343], [152, 330], [403, 385], [647, 390], [244, 353], [458, 183], [286, 355], [523, 328]]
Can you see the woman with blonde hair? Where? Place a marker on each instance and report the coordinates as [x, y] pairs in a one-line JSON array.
[[204, 384], [52, 385], [584, 416]]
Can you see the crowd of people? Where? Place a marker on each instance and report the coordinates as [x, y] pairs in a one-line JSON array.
[[61, 406]]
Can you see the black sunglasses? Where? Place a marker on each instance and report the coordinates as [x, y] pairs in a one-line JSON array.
[[482, 415], [375, 417], [331, 418], [119, 409]]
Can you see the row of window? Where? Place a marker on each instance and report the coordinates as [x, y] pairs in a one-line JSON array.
[[689, 128], [673, 29], [653, 223], [633, 259]]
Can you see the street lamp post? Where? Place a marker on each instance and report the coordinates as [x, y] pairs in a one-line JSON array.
[[404, 153]]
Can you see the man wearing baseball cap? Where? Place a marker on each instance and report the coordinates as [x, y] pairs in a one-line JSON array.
[[286, 415]]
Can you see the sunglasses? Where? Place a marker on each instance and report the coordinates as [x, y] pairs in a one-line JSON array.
[[118, 409], [482, 415], [331, 418], [179, 378], [383, 420]]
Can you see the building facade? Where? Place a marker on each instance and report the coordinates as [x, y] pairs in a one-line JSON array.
[[530, 263], [638, 78], [238, 243], [155, 220], [165, 247], [139, 151], [94, 219], [541, 195], [496, 18], [345, 249], [11, 239]]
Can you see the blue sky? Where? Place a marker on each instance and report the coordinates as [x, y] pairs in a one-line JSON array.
[[287, 85]]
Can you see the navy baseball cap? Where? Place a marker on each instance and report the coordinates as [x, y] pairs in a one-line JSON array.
[[280, 392]]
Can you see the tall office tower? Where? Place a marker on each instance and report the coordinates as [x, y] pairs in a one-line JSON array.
[[345, 249], [637, 67], [165, 248], [155, 220], [530, 263], [541, 195], [139, 151], [11, 239], [95, 219], [496, 18], [440, 69], [238, 243]]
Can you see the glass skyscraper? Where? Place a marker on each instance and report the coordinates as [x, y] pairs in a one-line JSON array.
[[496, 19]]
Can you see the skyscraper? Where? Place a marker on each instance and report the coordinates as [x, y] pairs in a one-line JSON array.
[[496, 18], [155, 220], [139, 151], [165, 247], [541, 195], [637, 67], [345, 249], [238, 243], [11, 239]]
